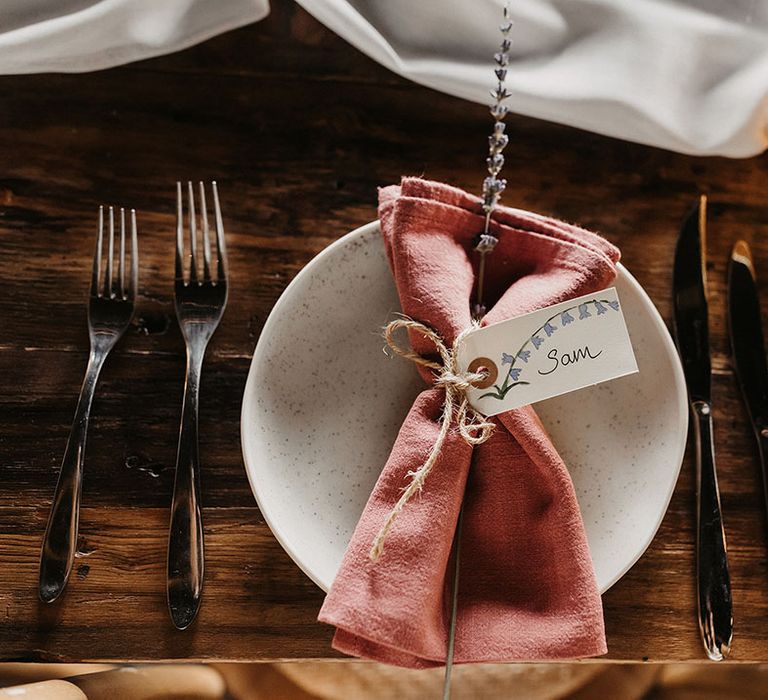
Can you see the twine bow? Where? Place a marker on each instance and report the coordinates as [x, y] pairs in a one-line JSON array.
[[473, 426]]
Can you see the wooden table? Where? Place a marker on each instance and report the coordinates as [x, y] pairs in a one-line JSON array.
[[300, 129]]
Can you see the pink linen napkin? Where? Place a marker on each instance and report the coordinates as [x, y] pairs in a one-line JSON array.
[[527, 588]]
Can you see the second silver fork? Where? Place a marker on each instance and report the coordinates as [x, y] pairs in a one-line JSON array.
[[200, 299]]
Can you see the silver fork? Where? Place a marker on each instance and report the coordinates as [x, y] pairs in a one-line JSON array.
[[110, 309], [200, 301]]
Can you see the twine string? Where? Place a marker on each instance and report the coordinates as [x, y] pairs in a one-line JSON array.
[[473, 426]]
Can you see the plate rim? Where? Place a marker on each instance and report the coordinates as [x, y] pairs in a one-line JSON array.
[[681, 391], [245, 410]]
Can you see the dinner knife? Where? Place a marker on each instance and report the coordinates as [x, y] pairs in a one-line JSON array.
[[692, 334], [748, 346]]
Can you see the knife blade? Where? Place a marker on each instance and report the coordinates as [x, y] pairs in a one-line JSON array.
[[691, 320], [745, 328]]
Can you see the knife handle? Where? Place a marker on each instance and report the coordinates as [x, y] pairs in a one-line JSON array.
[[714, 581], [761, 433]]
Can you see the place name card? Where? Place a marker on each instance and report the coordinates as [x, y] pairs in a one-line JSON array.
[[546, 353]]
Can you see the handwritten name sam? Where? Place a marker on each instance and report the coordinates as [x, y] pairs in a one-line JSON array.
[[569, 358]]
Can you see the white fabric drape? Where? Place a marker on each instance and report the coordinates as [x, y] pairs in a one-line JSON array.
[[686, 75], [38, 36]]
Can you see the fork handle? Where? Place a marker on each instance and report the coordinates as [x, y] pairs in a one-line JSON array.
[[185, 540], [60, 541]]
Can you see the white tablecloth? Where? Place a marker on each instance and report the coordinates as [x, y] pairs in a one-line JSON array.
[[38, 36], [687, 75]]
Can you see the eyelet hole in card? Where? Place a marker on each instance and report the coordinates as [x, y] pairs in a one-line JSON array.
[[484, 365]]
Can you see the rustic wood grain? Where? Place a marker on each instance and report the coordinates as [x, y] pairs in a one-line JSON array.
[[300, 129]]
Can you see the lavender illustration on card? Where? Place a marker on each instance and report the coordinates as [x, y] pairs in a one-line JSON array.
[[515, 362]]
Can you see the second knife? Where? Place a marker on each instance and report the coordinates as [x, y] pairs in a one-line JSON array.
[[748, 346]]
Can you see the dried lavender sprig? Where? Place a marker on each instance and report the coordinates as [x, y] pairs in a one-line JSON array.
[[493, 185]]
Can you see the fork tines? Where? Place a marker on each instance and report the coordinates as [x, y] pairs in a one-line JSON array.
[[193, 221], [114, 287]]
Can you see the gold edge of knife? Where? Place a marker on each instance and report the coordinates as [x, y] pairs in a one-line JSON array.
[[742, 253], [703, 240]]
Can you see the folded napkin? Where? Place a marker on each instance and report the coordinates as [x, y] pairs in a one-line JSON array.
[[527, 589]]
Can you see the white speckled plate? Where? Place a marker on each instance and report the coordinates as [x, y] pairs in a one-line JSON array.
[[323, 405]]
